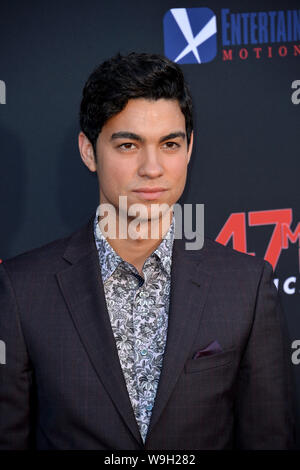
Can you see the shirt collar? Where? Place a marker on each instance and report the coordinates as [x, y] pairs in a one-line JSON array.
[[109, 259]]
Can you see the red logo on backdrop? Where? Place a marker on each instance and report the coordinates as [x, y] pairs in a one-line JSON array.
[[235, 228]]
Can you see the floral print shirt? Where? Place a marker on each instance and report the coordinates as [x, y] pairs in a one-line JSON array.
[[138, 309]]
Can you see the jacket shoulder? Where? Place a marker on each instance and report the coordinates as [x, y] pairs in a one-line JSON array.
[[230, 259], [45, 257], [55, 255]]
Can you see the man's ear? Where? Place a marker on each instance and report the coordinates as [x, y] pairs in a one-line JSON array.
[[87, 152], [190, 146]]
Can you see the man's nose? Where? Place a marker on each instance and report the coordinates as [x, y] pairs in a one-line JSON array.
[[150, 163]]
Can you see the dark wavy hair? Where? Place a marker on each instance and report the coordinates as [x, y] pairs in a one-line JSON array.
[[121, 78]]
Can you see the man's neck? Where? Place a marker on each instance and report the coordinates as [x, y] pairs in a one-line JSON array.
[[136, 251]]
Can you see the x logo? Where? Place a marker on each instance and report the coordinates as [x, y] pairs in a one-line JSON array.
[[185, 19]]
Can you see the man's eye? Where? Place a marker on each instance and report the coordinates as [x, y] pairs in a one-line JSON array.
[[127, 146], [171, 145]]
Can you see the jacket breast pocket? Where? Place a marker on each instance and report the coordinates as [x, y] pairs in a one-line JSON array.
[[209, 362]]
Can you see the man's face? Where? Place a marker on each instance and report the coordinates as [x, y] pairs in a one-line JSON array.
[[143, 146]]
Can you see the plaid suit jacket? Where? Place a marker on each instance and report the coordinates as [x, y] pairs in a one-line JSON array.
[[62, 385]]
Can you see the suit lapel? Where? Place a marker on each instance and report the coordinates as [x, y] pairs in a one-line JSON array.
[[189, 289], [82, 287]]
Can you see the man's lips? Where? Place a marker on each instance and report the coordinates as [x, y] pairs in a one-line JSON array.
[[149, 193]]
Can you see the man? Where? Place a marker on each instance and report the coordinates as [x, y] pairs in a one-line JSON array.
[[135, 342]]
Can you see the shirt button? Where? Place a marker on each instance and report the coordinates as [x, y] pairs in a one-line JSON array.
[[149, 407], [144, 352]]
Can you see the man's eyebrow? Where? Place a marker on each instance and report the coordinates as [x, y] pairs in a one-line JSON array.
[[126, 135], [133, 136], [173, 135]]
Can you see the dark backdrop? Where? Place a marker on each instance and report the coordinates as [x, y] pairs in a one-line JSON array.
[[246, 155]]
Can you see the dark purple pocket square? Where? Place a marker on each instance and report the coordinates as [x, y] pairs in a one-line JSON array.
[[212, 348]]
